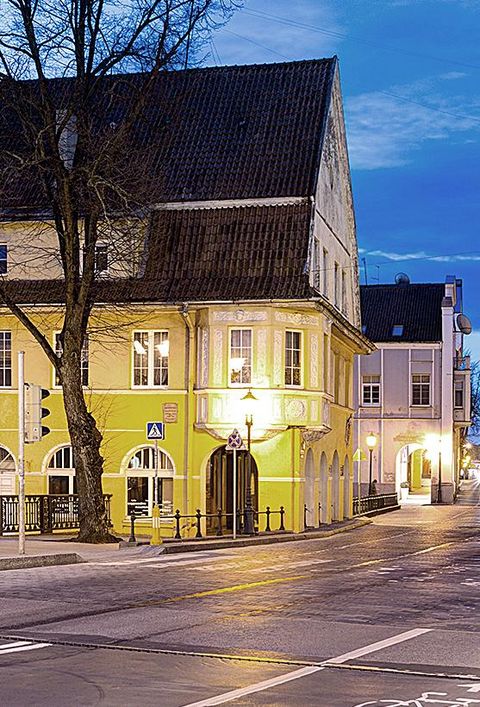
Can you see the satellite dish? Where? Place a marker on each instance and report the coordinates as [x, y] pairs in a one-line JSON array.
[[402, 278], [464, 324]]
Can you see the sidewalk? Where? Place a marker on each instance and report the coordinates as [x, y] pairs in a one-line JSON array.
[[48, 550]]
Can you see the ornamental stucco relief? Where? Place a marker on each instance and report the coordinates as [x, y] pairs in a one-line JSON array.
[[296, 318], [295, 408], [326, 413], [261, 352], [240, 315], [204, 363], [217, 356], [277, 358]]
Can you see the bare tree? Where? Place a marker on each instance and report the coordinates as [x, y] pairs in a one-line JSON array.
[[76, 77], [474, 429]]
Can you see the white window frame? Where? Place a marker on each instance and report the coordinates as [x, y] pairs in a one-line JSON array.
[[241, 383], [3, 355], [165, 472], [5, 260], [67, 471], [422, 384], [458, 386], [292, 368], [325, 272], [316, 264], [369, 385], [104, 245], [150, 358], [336, 285], [85, 368]]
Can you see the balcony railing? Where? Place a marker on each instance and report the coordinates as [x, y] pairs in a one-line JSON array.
[[43, 513]]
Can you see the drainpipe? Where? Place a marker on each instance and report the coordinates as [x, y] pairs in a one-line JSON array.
[[189, 381]]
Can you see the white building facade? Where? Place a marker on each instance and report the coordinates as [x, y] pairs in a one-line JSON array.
[[413, 393]]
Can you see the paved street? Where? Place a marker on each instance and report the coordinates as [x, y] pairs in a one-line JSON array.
[[381, 615]]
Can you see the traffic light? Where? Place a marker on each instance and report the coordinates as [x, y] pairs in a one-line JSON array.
[[34, 412]]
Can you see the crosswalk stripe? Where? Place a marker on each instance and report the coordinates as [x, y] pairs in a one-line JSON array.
[[14, 645], [28, 647]]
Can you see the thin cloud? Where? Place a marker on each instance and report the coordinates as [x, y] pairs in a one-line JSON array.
[[385, 128], [422, 255]]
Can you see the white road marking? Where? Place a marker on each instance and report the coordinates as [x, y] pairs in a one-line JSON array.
[[308, 670], [258, 687], [373, 647], [14, 645], [161, 560], [28, 647]]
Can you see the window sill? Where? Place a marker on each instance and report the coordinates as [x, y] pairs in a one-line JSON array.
[[149, 387]]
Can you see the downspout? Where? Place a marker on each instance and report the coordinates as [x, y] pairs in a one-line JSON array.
[[189, 382]]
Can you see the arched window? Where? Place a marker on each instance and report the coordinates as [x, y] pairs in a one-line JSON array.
[[142, 472], [61, 472], [7, 472]]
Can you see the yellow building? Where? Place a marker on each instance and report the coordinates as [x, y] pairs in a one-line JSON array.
[[247, 280]]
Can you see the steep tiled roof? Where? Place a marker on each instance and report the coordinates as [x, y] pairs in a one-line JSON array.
[[415, 307], [216, 133], [249, 252]]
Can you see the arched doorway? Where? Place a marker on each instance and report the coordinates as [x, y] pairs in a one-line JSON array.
[[7, 472], [413, 473], [323, 488], [219, 486], [309, 496], [139, 468], [336, 514], [346, 489]]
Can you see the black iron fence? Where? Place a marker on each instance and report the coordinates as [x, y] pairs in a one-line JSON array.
[[43, 513], [219, 523], [374, 503]]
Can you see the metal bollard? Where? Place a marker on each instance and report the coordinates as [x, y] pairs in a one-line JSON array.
[[132, 538], [305, 509], [178, 535], [199, 527], [156, 536], [267, 520], [219, 522], [282, 514]]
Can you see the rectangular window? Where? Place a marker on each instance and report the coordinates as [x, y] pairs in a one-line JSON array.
[[140, 495], [101, 258], [316, 264], [336, 286], [240, 357], [458, 394], [150, 358], [371, 390], [5, 359], [421, 389], [84, 359], [344, 292], [293, 358], [3, 258], [325, 272]]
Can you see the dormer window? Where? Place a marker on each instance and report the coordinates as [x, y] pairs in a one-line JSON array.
[[397, 330]]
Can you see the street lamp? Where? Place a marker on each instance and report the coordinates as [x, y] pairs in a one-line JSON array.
[[371, 444], [249, 401]]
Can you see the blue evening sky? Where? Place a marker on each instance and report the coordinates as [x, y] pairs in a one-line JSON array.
[[410, 73]]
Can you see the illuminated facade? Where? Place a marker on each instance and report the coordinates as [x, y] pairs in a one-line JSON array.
[[243, 285]]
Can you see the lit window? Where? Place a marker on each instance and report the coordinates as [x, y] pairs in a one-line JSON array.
[[150, 358], [371, 390], [240, 356], [293, 358], [141, 483], [3, 258], [421, 389], [459, 394], [397, 330], [84, 359]]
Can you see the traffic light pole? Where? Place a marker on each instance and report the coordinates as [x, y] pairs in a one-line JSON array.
[[21, 453]]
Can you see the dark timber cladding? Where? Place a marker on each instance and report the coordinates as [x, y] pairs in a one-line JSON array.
[[232, 132], [418, 307]]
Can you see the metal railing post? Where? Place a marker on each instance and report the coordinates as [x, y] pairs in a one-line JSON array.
[[132, 538], [199, 521], [178, 535], [282, 514], [267, 521], [219, 522]]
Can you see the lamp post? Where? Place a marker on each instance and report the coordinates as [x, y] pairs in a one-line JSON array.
[[371, 444], [439, 492], [249, 400]]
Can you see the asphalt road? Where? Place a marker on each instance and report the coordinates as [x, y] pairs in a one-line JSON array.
[[384, 615]]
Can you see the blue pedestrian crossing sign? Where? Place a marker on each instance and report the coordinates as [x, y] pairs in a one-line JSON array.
[[155, 430]]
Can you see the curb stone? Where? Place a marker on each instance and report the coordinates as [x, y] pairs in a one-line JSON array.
[[30, 561]]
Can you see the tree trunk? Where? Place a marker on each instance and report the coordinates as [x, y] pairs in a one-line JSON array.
[[85, 439]]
